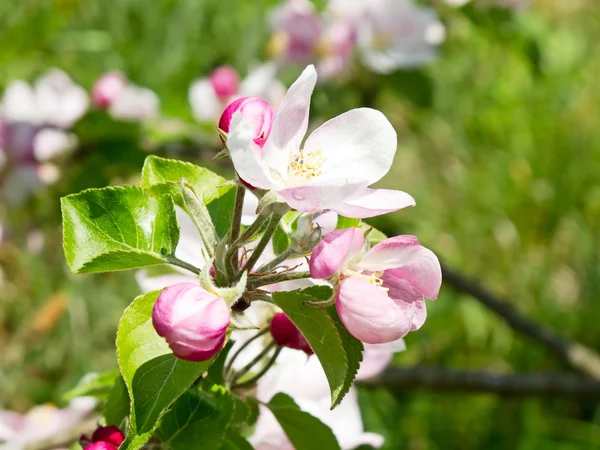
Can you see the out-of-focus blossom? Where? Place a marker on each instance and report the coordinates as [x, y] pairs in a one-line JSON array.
[[301, 35], [380, 295], [107, 88], [18, 431], [50, 143], [125, 100], [256, 111], [332, 169], [210, 96], [192, 320], [395, 34], [304, 380]]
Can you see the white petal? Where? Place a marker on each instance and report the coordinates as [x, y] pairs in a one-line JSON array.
[[20, 104], [245, 154], [258, 81], [249, 208], [374, 202], [135, 104], [206, 106], [358, 145], [291, 122], [50, 143]]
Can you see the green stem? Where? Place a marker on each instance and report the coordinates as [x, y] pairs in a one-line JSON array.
[[288, 253], [252, 381], [277, 278], [262, 244], [237, 220], [184, 265], [252, 363], [244, 346]]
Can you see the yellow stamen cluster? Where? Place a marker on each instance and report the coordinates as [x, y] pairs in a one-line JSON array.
[[375, 278], [307, 164]]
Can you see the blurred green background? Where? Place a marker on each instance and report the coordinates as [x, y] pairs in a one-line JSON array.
[[499, 142]]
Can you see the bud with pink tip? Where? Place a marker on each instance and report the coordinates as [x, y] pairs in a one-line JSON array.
[[107, 88], [286, 334], [225, 81], [256, 112], [192, 320], [101, 445], [110, 434]]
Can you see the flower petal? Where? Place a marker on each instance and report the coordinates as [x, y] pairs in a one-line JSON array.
[[245, 154], [357, 145], [374, 202], [335, 250], [319, 198], [291, 122], [369, 314], [376, 357], [205, 104], [410, 260], [406, 297]]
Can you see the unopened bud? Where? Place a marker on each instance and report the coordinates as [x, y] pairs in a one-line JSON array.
[[106, 89], [255, 111], [225, 81], [306, 237], [286, 334], [101, 445], [192, 320], [111, 434]]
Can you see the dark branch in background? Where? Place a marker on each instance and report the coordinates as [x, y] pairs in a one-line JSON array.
[[521, 385], [580, 357]]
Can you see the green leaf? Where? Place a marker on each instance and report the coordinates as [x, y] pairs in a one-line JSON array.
[[346, 222], [117, 406], [304, 431], [117, 228], [198, 419], [163, 176], [339, 352], [234, 441], [281, 240], [94, 385], [200, 216], [153, 375]]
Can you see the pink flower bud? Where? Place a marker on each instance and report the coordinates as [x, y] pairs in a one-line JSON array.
[[254, 110], [286, 334], [101, 445], [192, 320], [225, 81], [110, 434], [106, 89]]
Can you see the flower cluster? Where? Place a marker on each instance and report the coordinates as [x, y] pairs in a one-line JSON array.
[[387, 34]]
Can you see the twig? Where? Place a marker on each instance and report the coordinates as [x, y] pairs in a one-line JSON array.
[[580, 357], [184, 265], [521, 385]]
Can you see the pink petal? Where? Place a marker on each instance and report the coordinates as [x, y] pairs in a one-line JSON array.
[[407, 298], [374, 202], [412, 262], [291, 122], [369, 314], [336, 248], [317, 198]]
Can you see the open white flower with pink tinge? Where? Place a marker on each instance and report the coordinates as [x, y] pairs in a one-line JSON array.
[[381, 292], [332, 169]]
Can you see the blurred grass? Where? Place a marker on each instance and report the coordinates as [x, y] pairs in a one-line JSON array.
[[498, 142]]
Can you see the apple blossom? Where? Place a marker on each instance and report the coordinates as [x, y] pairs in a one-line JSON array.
[[305, 381], [101, 445], [107, 88], [395, 34], [209, 96], [110, 435], [286, 334], [256, 111], [380, 294], [192, 320], [333, 168], [18, 431], [135, 104]]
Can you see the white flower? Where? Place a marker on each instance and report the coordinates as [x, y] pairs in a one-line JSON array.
[[332, 169]]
